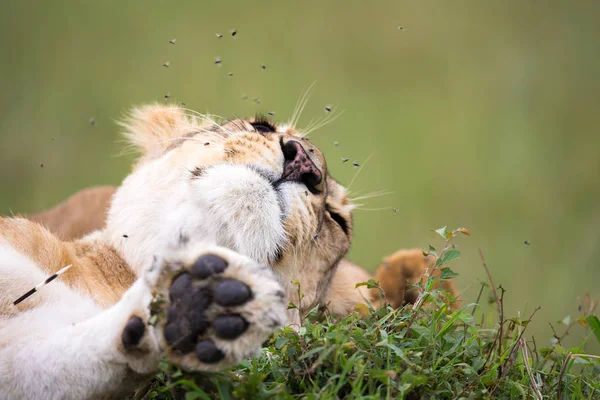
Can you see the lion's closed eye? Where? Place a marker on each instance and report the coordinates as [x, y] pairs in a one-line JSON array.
[[263, 126]]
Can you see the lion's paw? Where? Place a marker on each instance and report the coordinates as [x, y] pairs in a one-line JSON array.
[[218, 308]]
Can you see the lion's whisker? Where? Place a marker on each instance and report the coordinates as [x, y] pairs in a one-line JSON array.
[[370, 196], [360, 169], [300, 105], [372, 209], [321, 122]]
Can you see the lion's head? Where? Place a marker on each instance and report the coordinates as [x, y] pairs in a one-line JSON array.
[[247, 184]]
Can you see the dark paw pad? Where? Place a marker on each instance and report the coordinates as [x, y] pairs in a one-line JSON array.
[[180, 286], [179, 338], [207, 265], [186, 317], [133, 332], [230, 292], [230, 326], [207, 352]]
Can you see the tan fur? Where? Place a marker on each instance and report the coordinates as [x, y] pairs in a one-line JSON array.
[[96, 269], [404, 268], [80, 214], [343, 295], [152, 128]]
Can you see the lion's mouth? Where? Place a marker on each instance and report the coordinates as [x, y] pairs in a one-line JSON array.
[[275, 185]]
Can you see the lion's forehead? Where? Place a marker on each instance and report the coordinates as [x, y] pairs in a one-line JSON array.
[[237, 141]]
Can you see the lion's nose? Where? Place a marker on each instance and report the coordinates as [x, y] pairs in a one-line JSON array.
[[298, 167]]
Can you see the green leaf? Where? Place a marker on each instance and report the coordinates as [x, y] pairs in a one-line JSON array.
[[518, 321], [450, 255], [430, 251], [400, 353], [430, 283], [465, 317], [448, 325], [196, 395], [177, 374], [594, 325], [383, 334], [443, 233], [224, 391], [281, 341], [560, 350], [185, 382], [315, 350], [371, 284], [382, 375], [447, 273], [409, 377], [422, 331], [490, 376], [545, 351], [583, 360]]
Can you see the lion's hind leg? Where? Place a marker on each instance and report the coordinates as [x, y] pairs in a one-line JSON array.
[[396, 275], [343, 296], [399, 272]]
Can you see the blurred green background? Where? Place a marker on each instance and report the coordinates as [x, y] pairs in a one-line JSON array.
[[477, 114]]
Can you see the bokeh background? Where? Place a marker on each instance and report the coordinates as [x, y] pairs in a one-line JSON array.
[[475, 114]]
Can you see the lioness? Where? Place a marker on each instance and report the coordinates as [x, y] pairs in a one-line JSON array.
[[217, 228]]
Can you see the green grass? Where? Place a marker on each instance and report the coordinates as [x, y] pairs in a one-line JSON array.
[[426, 350]]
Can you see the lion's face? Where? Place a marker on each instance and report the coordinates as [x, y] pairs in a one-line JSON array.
[[248, 185]]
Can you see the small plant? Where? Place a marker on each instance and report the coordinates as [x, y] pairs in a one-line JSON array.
[[425, 350]]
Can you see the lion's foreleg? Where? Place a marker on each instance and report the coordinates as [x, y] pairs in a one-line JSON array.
[[105, 355]]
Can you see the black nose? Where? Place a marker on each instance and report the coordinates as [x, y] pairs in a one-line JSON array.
[[298, 167]]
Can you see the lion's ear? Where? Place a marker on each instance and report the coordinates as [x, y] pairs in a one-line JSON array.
[[152, 128]]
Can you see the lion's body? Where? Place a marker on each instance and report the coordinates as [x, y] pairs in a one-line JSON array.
[[102, 275], [79, 215], [254, 197]]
